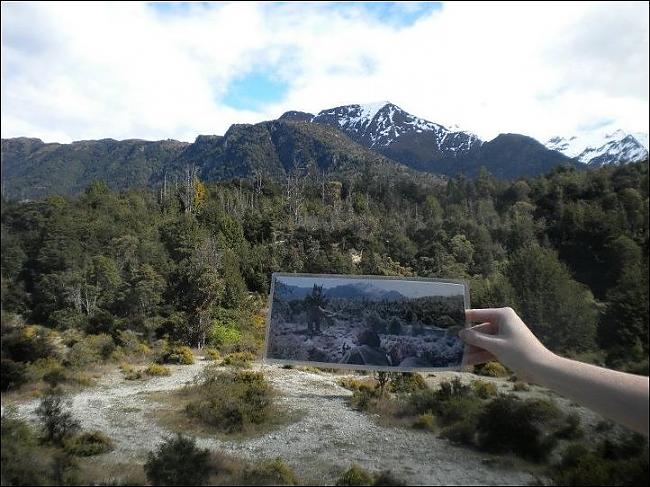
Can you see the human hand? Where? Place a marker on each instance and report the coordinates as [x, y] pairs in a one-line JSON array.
[[504, 337]]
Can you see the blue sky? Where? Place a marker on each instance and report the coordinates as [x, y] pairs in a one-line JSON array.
[[254, 90], [176, 70], [262, 86]]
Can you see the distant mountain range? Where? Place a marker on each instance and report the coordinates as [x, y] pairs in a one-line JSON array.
[[341, 140], [360, 290], [616, 147]]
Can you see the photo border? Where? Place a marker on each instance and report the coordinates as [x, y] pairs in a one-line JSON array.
[[463, 367]]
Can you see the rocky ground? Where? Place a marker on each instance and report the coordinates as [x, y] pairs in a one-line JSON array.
[[325, 440], [291, 341]]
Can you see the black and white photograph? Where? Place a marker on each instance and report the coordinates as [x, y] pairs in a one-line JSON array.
[[363, 322]]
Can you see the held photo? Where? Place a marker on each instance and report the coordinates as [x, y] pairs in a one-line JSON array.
[[366, 322]]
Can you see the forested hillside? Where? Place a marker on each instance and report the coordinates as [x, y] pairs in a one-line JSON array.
[[192, 263]]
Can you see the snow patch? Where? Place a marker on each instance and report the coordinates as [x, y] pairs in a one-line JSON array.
[[602, 148]]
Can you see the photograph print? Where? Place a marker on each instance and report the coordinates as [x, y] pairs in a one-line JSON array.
[[366, 322]]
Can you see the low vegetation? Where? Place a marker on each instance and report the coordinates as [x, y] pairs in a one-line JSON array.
[[157, 370], [356, 475], [223, 402], [231, 401], [622, 461], [178, 461], [477, 416], [47, 454], [491, 369], [88, 444], [239, 359], [176, 354]]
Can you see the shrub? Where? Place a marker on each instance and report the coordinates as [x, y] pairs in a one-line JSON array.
[[14, 374], [23, 462], [269, 472], [395, 326], [102, 344], [239, 359], [406, 383], [425, 422], [355, 475], [81, 378], [131, 344], [178, 461], [224, 336], [55, 376], [212, 354], [581, 466], [157, 370], [58, 424], [363, 398], [88, 444], [462, 432], [130, 372], [376, 322], [353, 384], [82, 354], [39, 368], [232, 401], [387, 478], [520, 386], [571, 430], [508, 424], [176, 354], [484, 389], [491, 369], [456, 409], [27, 344], [447, 403]]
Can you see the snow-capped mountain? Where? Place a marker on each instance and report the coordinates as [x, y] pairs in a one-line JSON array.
[[380, 125], [617, 147], [427, 146], [395, 133]]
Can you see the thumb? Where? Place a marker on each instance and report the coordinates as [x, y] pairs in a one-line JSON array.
[[474, 337]]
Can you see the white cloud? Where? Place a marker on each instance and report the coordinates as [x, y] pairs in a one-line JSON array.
[[78, 70]]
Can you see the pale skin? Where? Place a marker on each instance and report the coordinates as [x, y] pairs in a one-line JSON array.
[[503, 336]]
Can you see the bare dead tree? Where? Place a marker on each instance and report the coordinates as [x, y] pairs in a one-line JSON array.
[[294, 194], [186, 192]]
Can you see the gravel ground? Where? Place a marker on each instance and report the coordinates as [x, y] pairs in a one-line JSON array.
[[327, 438]]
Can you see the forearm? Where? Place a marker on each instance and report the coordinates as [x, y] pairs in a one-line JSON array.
[[615, 395]]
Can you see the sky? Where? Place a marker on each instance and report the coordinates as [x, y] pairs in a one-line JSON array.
[[157, 70], [411, 289]]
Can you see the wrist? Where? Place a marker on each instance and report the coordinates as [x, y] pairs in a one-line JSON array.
[[539, 364]]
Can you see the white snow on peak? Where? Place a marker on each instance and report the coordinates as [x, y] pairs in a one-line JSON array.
[[380, 124], [642, 138], [613, 147], [369, 110]]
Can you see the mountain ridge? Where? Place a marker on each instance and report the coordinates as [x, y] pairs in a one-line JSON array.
[[347, 139]]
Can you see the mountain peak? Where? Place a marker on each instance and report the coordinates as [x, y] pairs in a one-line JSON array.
[[601, 148]]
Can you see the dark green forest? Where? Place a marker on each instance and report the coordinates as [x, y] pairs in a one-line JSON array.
[[191, 263]]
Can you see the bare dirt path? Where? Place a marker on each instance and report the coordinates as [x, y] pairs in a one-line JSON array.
[[327, 438]]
